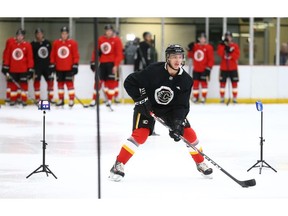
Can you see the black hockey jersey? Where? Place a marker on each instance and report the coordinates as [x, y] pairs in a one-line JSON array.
[[168, 95], [41, 53]]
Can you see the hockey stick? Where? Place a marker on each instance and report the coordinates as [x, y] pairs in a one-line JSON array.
[[106, 99], [19, 87], [78, 99], [247, 183], [229, 96]]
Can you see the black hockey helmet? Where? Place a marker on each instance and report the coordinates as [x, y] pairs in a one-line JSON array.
[[174, 49], [108, 27], [146, 33], [20, 31], [64, 29], [37, 30], [202, 34], [228, 33]]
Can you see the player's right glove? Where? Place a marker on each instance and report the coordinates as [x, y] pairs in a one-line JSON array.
[[30, 73], [177, 130], [92, 66], [52, 68], [143, 105], [207, 72], [5, 69], [191, 46]]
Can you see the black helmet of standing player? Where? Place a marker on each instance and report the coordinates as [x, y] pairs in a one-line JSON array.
[[228, 37], [20, 35], [174, 51], [39, 34], [202, 38], [64, 33], [109, 31]]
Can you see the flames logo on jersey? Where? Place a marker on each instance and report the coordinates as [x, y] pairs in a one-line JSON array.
[[43, 52], [105, 48], [164, 95], [63, 52], [17, 54], [199, 55]]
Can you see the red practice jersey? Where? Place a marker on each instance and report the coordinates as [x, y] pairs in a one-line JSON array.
[[64, 54], [8, 42], [111, 50], [18, 56], [202, 56], [229, 61]]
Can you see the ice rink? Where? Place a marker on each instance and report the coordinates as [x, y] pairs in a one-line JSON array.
[[160, 170]]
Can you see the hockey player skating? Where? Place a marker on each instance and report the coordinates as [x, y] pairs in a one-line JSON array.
[[4, 68], [18, 66], [110, 56], [165, 89], [229, 53], [41, 53], [203, 60], [64, 60]]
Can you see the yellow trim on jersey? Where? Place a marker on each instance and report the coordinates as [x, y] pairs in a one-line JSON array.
[[128, 149], [137, 120]]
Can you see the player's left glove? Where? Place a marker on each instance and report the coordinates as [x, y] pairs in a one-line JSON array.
[[142, 104], [177, 130], [75, 69], [30, 73], [207, 72]]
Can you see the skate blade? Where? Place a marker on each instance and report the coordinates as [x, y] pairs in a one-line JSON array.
[[115, 177], [210, 176]]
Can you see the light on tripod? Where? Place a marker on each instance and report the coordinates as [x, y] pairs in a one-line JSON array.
[[261, 163], [43, 105], [259, 106]]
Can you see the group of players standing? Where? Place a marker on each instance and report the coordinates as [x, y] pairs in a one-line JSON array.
[[202, 55], [23, 61]]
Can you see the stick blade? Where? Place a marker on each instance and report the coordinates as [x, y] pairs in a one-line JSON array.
[[248, 183]]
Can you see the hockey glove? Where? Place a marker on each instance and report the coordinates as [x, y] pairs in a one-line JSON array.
[[30, 73], [207, 72], [92, 66], [191, 46], [177, 130], [52, 68], [75, 69], [229, 49], [5, 69], [143, 105]]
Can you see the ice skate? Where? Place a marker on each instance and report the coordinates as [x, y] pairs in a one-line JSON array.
[[235, 101], [117, 172], [60, 103], [195, 100], [71, 103], [222, 100], [93, 103], [203, 100], [117, 101], [204, 169]]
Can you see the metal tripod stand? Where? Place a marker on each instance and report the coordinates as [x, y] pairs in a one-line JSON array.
[[43, 167], [261, 163]]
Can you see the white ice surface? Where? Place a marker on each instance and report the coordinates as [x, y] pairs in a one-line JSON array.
[[160, 170]]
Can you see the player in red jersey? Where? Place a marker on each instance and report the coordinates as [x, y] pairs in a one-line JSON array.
[[18, 65], [8, 88], [64, 60], [203, 60], [229, 53], [110, 56]]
